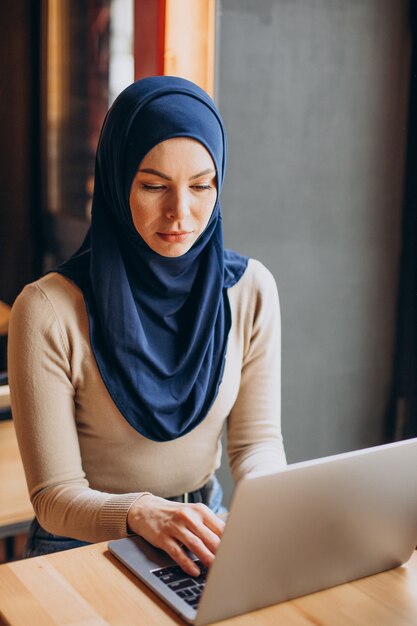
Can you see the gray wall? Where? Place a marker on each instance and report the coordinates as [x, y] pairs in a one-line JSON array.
[[314, 97]]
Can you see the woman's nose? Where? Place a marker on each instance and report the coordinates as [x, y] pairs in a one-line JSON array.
[[179, 206]]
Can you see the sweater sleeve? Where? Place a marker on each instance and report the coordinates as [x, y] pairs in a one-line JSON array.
[[254, 425], [43, 408]]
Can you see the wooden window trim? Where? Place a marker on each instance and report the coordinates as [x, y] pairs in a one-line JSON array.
[[176, 37]]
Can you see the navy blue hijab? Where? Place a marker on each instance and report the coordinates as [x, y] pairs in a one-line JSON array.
[[158, 325]]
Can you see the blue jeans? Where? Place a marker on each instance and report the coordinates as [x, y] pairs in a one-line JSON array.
[[40, 542]]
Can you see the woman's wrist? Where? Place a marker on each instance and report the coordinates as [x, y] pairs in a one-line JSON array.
[[132, 514]]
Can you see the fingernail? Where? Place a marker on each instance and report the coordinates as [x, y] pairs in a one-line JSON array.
[[195, 571]]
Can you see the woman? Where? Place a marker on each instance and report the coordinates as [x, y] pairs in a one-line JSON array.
[[127, 360]]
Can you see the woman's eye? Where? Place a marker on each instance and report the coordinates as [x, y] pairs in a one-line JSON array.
[[152, 187], [202, 187]]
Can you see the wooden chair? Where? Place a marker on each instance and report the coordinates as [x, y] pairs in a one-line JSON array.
[[16, 512]]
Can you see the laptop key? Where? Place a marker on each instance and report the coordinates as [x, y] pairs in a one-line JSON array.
[[159, 572], [167, 578], [194, 591], [186, 587], [200, 580], [169, 574], [187, 592], [181, 584]]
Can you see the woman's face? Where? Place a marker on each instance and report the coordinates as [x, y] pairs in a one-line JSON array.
[[173, 195]]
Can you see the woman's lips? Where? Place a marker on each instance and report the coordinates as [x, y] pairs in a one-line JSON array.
[[175, 237]]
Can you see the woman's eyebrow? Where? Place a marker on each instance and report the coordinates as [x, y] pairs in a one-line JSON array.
[[210, 170], [150, 170], [156, 172]]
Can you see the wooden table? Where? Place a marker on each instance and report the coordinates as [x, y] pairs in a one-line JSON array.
[[16, 511], [89, 587]]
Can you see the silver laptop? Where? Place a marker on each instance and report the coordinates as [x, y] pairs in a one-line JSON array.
[[313, 525]]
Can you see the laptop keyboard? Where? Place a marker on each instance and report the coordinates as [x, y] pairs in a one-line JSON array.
[[186, 587]]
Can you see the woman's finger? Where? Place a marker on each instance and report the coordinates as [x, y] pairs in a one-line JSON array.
[[192, 520], [167, 524], [202, 512], [196, 545], [177, 553], [211, 520]]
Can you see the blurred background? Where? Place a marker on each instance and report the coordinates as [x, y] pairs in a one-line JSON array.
[[319, 100]]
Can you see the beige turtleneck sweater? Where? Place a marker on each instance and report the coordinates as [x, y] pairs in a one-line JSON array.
[[85, 465]]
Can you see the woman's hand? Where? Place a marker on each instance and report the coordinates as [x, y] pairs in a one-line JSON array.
[[172, 525]]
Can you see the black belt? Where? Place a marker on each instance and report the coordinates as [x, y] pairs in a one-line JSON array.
[[199, 495]]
